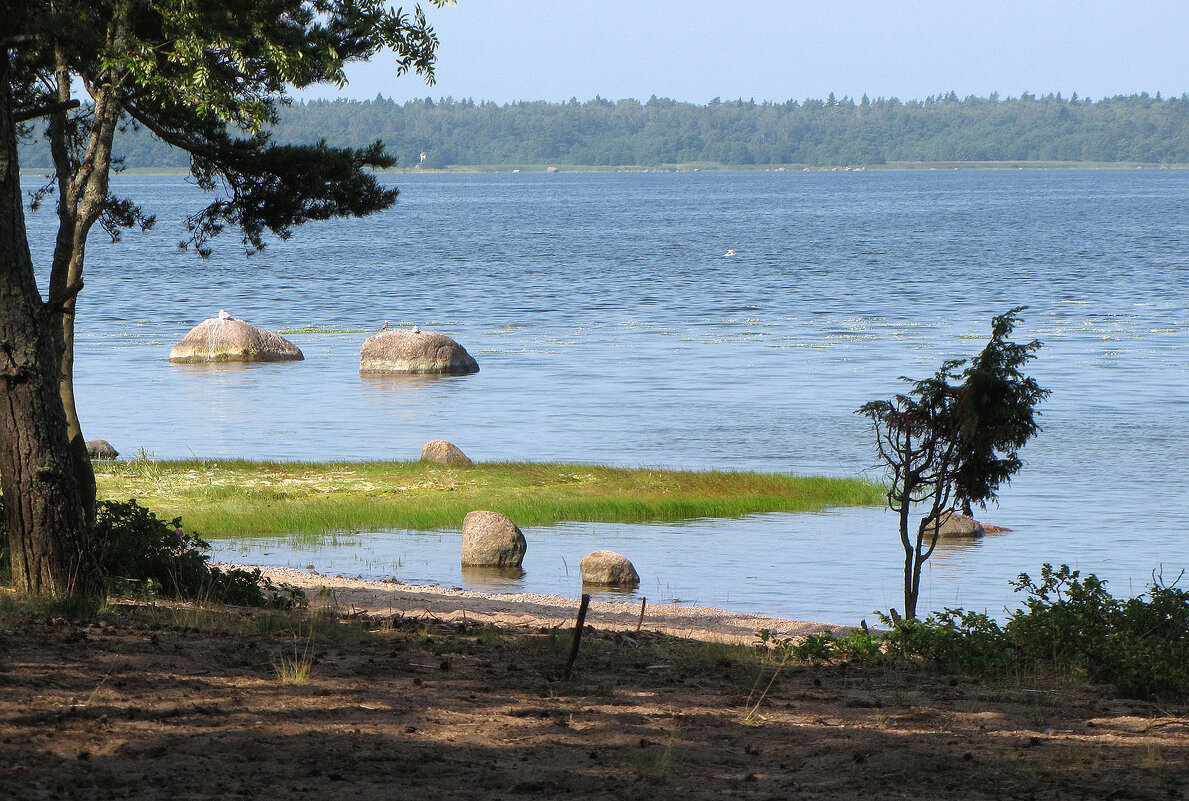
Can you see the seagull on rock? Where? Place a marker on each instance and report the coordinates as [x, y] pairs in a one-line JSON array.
[[416, 330], [385, 326], [224, 315]]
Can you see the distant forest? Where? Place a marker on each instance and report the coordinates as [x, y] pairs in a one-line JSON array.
[[819, 133]]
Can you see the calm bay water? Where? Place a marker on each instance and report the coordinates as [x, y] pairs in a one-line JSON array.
[[610, 327]]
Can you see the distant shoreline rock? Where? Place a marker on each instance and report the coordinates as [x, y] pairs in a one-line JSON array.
[[226, 339], [415, 352]]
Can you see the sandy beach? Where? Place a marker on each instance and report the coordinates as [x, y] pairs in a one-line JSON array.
[[526, 610], [442, 694]]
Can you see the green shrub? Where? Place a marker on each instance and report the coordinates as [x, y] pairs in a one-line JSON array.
[[1069, 624], [953, 638], [857, 646], [1140, 645], [140, 553]]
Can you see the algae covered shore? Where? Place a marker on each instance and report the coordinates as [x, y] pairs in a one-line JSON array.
[[231, 498]]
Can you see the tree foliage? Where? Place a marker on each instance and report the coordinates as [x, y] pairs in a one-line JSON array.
[[997, 414], [206, 79], [954, 438], [1127, 128]]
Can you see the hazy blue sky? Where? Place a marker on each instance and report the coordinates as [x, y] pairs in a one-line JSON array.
[[695, 50]]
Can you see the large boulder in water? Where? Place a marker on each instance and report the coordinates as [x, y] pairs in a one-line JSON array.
[[226, 339], [957, 525], [439, 451], [608, 569], [414, 351], [489, 539]]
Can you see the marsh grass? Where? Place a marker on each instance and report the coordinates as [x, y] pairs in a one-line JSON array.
[[240, 498]]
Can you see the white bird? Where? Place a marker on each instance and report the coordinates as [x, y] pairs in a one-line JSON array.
[[224, 315], [730, 252], [385, 326], [416, 330]]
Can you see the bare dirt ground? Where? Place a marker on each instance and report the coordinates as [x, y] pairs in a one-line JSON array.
[[414, 701]]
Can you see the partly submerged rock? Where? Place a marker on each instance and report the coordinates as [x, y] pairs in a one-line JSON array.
[[414, 351], [439, 451], [608, 569], [226, 339], [101, 449], [490, 539], [956, 524]]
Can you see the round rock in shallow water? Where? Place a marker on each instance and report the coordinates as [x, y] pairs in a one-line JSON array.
[[401, 351], [439, 451], [225, 339], [101, 449], [608, 569], [489, 539], [956, 524]]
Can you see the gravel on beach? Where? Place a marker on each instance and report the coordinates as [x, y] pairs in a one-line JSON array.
[[528, 610]]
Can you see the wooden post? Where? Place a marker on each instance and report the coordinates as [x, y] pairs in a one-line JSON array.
[[577, 634], [640, 622]]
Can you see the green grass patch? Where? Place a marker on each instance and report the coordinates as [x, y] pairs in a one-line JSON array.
[[240, 498]]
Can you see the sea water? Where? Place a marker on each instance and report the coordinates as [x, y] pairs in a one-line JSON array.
[[693, 320]]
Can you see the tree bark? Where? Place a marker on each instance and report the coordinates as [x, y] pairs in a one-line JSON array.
[[82, 193], [48, 538]]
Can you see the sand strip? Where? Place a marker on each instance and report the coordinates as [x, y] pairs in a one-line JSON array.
[[533, 611]]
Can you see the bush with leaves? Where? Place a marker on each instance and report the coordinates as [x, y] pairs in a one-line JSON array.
[[1069, 624], [856, 646], [139, 552], [1140, 645], [955, 639]]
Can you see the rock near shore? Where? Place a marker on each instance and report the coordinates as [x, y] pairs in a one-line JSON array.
[[412, 351], [226, 339], [608, 569], [958, 525], [439, 451], [101, 449], [490, 539]]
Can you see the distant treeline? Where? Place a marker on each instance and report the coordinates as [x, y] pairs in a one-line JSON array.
[[830, 132]]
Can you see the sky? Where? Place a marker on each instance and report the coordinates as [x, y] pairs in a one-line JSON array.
[[696, 50]]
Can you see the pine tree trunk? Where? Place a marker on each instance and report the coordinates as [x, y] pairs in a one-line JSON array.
[[66, 271], [50, 547]]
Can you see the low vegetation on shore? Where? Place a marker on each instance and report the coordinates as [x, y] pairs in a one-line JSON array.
[[223, 498]]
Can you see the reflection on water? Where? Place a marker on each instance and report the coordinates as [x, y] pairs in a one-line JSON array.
[[603, 592], [413, 386], [493, 579]]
